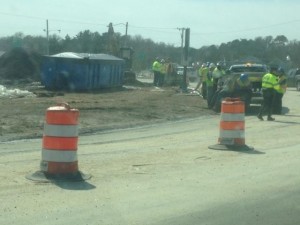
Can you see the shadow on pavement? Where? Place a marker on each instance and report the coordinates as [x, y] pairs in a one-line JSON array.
[[236, 148], [76, 186]]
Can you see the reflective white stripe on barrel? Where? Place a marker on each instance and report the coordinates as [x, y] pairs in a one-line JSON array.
[[232, 117], [232, 134], [59, 156], [60, 131]]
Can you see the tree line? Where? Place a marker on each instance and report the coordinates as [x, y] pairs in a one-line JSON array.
[[278, 50]]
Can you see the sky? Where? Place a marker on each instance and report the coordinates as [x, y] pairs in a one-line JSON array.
[[211, 22]]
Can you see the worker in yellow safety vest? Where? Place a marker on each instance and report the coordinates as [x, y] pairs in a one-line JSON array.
[[156, 67], [163, 72], [233, 87], [209, 85], [217, 74], [202, 73], [269, 81], [280, 89]]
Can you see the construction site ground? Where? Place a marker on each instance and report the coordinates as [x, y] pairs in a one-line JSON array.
[[168, 173], [135, 104]]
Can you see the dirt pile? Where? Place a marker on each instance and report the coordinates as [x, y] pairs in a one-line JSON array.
[[19, 66]]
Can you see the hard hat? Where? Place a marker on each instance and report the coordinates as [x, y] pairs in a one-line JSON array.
[[212, 65], [219, 65], [243, 77]]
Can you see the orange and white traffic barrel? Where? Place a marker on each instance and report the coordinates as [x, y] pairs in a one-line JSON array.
[[59, 145], [60, 138], [232, 125]]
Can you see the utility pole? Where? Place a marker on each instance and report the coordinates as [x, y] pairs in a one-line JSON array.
[[47, 36], [185, 59], [126, 31], [181, 35], [182, 30], [126, 34]]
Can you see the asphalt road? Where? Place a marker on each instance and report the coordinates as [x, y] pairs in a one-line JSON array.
[[164, 174]]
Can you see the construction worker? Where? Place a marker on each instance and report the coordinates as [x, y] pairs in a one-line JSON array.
[[280, 89], [234, 88], [199, 76], [163, 72], [269, 81], [209, 85], [243, 89], [202, 73], [169, 71], [217, 74], [224, 89], [231, 86], [156, 67]]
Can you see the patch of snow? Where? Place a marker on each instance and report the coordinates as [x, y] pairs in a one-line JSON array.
[[14, 93]]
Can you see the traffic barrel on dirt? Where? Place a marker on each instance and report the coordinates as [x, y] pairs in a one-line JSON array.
[[232, 125], [60, 143]]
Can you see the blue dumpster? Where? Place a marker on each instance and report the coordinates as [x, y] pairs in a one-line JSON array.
[[81, 71]]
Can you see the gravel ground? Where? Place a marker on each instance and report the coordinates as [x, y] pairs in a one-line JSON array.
[[135, 105]]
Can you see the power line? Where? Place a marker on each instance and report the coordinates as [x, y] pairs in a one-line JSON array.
[[162, 29], [150, 28], [166, 30], [248, 29], [53, 19], [154, 28]]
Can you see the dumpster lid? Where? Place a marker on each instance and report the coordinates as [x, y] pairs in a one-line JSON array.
[[74, 55]]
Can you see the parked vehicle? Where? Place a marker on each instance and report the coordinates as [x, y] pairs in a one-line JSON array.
[[293, 78]]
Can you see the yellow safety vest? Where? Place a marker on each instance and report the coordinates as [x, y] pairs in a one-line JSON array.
[[269, 81], [163, 69], [209, 80], [156, 66], [281, 86], [203, 71], [217, 73]]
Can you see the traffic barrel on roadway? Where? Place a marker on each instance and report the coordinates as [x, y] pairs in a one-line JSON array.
[[232, 125], [60, 143]]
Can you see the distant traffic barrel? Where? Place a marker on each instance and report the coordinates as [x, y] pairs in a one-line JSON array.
[[232, 126], [60, 138]]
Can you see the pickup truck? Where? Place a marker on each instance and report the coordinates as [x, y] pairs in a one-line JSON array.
[[255, 73]]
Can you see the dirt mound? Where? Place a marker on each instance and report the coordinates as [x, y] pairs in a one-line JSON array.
[[19, 66]]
